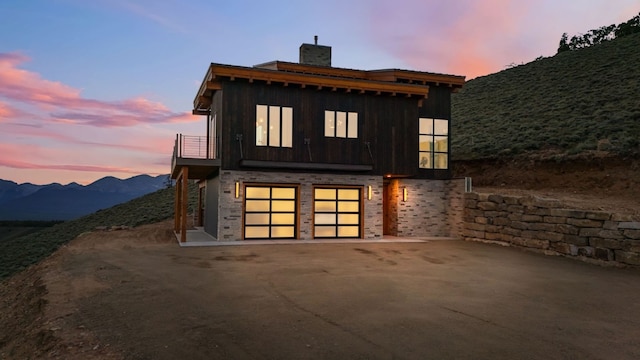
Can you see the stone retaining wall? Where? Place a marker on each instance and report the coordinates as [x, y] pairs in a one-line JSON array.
[[547, 226]]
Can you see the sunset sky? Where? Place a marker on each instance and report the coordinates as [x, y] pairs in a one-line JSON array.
[[96, 88]]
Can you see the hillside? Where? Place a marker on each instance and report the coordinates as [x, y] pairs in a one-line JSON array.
[[19, 252], [575, 102], [570, 122]]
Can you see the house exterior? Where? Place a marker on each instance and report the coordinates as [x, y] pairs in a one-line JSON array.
[[306, 151]]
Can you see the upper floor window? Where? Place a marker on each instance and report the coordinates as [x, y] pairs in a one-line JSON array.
[[274, 126], [434, 143], [341, 124]]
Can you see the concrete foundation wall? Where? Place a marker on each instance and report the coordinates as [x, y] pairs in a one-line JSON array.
[[547, 226], [211, 206]]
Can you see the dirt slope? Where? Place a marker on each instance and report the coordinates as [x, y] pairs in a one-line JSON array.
[[603, 183], [40, 306]]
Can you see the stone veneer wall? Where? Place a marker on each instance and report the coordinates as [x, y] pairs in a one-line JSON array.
[[433, 207], [547, 226], [230, 208]]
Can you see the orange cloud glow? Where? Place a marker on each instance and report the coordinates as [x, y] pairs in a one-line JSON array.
[[65, 105], [478, 33]]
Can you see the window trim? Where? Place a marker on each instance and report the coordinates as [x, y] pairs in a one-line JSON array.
[[284, 140], [350, 119], [432, 153]]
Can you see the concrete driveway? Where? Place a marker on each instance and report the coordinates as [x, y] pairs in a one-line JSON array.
[[431, 300]]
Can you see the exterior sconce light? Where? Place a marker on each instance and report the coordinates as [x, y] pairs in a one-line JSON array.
[[237, 189], [405, 194], [369, 192]]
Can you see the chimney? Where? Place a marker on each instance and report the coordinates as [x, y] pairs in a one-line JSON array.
[[315, 54]]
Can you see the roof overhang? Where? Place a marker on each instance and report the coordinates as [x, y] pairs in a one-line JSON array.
[[393, 82]]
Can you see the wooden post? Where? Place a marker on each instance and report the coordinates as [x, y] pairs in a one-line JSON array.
[[185, 201], [176, 202]]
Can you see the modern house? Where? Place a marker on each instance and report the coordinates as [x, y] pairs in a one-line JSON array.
[[306, 150]]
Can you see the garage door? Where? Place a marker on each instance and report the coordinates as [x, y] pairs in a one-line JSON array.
[[337, 212], [270, 212]]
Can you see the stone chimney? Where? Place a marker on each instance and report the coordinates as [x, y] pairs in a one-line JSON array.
[[315, 54]]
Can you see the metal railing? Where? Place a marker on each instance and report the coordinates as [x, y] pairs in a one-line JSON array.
[[191, 147]]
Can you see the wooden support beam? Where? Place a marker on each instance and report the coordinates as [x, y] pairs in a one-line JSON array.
[[214, 85], [185, 202], [176, 205]]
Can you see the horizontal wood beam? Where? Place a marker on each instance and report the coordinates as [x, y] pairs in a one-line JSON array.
[[214, 85], [304, 166]]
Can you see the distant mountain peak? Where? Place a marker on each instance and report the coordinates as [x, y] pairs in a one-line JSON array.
[[63, 202]]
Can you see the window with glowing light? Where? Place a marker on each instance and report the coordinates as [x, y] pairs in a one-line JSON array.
[[270, 212], [274, 126], [433, 143], [341, 124], [336, 212]]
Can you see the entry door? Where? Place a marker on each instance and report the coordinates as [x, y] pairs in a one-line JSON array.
[[270, 212], [337, 212]]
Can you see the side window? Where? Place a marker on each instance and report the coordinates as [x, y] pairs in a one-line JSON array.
[[274, 126], [341, 124], [434, 143]]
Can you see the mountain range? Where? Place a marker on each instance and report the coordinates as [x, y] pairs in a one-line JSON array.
[[65, 202]]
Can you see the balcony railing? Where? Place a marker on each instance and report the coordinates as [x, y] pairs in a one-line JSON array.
[[191, 147]]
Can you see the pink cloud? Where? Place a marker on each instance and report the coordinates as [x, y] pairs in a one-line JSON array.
[[16, 157], [65, 104], [8, 112], [150, 143], [17, 164]]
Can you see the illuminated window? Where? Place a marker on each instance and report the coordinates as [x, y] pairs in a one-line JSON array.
[[341, 124], [336, 212], [274, 126], [433, 143], [270, 212]]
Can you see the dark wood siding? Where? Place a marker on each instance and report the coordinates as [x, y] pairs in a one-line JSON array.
[[388, 123], [217, 111]]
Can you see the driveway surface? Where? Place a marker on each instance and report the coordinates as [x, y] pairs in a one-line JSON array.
[[138, 295]]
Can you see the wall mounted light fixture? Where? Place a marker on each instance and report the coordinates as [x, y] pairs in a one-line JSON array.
[[369, 192], [405, 194], [237, 189]]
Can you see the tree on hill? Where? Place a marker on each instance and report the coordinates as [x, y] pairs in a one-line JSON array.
[[600, 35]]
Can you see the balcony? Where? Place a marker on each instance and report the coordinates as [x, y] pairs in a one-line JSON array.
[[193, 152]]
